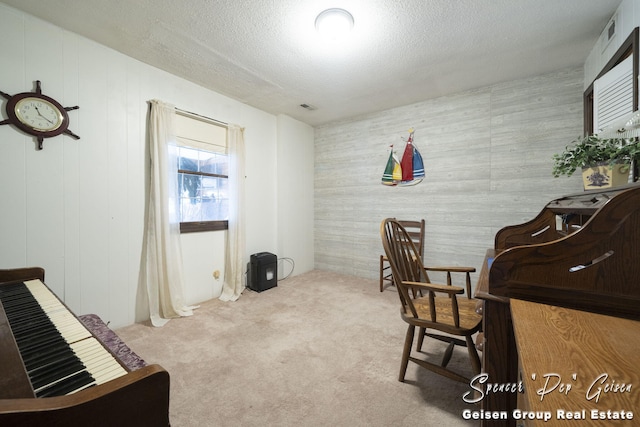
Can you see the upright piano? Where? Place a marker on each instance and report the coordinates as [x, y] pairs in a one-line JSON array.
[[55, 372], [582, 251]]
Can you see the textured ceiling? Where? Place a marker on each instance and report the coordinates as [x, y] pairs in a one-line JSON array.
[[266, 53]]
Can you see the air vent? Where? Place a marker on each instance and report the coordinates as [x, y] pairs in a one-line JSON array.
[[612, 30], [308, 107], [608, 34]]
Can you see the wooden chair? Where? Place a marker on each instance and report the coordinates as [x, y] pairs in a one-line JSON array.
[[416, 232], [429, 306]]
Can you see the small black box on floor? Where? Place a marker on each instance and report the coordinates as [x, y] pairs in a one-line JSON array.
[[263, 271]]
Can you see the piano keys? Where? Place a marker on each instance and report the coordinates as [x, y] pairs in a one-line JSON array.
[[60, 354], [53, 371], [581, 252]]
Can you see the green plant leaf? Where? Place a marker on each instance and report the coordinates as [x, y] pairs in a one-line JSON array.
[[590, 150]]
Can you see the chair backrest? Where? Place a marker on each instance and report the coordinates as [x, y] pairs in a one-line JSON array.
[[404, 259], [415, 230]]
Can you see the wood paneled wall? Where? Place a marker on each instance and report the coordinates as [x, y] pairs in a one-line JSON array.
[[77, 208], [488, 160]]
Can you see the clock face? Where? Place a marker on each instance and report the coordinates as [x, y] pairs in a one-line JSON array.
[[38, 114]]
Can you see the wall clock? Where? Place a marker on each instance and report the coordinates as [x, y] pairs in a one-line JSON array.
[[38, 115]]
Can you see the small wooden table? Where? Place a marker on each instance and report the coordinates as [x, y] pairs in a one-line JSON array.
[[578, 368]]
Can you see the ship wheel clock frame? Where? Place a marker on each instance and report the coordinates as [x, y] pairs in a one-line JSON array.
[[38, 115]]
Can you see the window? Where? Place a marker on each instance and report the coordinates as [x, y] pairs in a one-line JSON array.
[[203, 170]]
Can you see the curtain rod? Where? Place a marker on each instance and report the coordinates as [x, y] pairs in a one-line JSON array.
[[201, 117]]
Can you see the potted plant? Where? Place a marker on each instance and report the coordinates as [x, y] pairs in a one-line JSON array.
[[605, 162]]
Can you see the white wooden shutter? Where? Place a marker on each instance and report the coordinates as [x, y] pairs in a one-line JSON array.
[[613, 95]]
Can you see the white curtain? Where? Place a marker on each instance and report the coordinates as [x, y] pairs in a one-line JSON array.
[[161, 269], [234, 251]]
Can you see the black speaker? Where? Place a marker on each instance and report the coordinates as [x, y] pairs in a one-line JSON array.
[[263, 271]]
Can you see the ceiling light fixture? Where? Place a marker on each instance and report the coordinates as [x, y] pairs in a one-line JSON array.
[[334, 23]]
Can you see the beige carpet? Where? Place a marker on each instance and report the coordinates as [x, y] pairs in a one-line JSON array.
[[320, 349]]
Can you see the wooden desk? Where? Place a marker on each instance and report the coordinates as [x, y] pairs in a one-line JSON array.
[[574, 354], [499, 356], [582, 251]]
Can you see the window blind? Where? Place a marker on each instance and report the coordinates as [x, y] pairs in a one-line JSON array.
[[195, 133]]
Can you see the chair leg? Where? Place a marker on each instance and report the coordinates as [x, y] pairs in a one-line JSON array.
[[447, 354], [421, 333], [406, 352], [473, 355], [381, 274]]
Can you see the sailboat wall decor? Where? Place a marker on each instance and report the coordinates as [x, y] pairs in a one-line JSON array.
[[408, 171]]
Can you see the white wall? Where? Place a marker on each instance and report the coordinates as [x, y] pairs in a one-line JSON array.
[[295, 196], [77, 208], [627, 18], [202, 254]]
